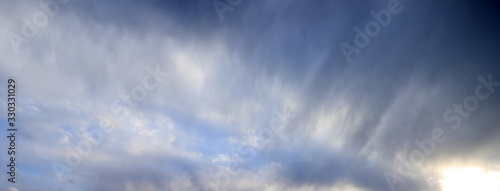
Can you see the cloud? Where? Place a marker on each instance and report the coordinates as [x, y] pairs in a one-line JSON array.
[[226, 158], [226, 82]]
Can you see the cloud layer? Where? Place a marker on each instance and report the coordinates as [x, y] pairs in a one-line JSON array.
[[263, 100]]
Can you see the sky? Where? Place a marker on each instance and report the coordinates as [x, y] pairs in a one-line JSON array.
[[380, 95]]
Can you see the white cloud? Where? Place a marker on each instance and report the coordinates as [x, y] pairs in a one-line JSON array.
[[227, 158], [12, 189]]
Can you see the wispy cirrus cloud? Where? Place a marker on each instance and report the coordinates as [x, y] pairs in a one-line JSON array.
[[226, 80]]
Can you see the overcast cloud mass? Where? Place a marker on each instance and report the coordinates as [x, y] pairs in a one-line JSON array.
[[243, 95]]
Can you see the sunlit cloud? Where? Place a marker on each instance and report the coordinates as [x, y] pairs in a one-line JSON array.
[[470, 178]]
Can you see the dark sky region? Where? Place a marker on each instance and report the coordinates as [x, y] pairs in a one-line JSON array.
[[169, 95]]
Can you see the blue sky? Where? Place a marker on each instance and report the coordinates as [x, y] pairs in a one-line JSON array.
[[264, 99]]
